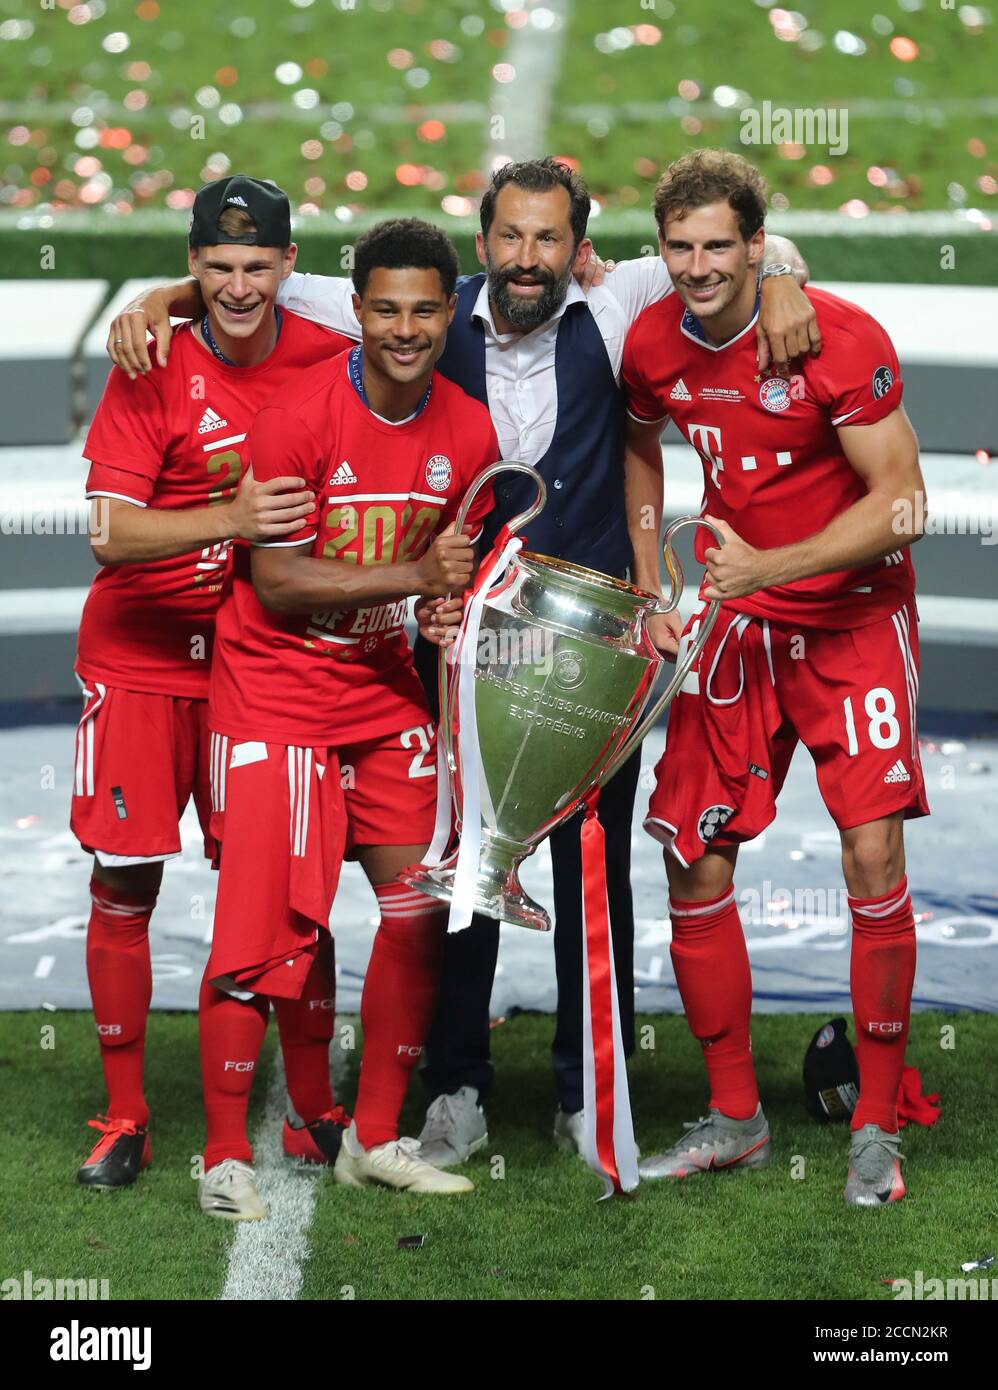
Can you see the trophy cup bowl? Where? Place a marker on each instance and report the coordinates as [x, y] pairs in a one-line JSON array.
[[563, 672]]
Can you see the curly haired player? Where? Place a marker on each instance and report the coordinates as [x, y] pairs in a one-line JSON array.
[[323, 743], [809, 479]]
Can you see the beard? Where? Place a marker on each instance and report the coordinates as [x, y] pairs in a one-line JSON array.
[[526, 314]]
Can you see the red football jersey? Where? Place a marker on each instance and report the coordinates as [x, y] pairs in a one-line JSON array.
[[773, 466], [176, 438], [383, 492]]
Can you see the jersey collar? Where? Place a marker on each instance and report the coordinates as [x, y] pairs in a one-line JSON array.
[[689, 326], [209, 339], [355, 371]]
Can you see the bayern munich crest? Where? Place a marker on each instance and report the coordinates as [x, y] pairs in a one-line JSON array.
[[775, 394], [439, 472], [826, 1037]]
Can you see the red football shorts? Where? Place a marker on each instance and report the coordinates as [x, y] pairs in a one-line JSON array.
[[285, 819], [139, 760], [757, 689]]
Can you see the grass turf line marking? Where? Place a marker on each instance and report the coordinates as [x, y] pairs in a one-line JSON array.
[[265, 1262], [266, 112], [860, 108], [524, 103]]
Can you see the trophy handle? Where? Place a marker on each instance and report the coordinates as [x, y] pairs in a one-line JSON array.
[[683, 667], [493, 471], [537, 506]]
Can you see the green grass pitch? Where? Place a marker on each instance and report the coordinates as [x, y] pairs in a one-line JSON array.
[[533, 1228], [331, 98]]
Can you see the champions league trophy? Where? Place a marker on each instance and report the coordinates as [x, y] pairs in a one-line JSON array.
[[543, 695]]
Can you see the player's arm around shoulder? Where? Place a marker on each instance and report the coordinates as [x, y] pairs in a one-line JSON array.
[[325, 299], [128, 337], [788, 322]]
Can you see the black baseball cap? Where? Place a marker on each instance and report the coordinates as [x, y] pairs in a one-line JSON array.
[[266, 203], [831, 1074]]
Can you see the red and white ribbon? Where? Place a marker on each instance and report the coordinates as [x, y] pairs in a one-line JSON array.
[[465, 657], [443, 824], [608, 1133]]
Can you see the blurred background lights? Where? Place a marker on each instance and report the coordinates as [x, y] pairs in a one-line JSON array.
[[850, 44]]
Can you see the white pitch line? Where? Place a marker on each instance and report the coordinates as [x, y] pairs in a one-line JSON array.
[[380, 113], [524, 103], [265, 1262]]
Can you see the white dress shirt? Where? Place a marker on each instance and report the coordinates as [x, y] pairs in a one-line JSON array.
[[519, 367]]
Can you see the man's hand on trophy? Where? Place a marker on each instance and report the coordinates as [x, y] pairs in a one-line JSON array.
[[439, 619], [447, 566], [665, 630], [736, 569]]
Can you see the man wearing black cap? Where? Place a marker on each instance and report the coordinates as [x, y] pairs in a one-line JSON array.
[[168, 473]]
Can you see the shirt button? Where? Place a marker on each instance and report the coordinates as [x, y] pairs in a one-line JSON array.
[[557, 482]]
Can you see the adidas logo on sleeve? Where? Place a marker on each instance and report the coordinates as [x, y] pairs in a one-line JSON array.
[[898, 773], [211, 421]]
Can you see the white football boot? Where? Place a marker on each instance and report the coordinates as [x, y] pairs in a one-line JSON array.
[[229, 1191], [396, 1164]]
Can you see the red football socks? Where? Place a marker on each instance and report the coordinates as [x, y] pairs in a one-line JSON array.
[[396, 1008], [711, 962], [306, 1028], [232, 1032], [120, 975], [881, 977]]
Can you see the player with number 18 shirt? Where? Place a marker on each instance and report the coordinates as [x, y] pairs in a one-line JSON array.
[[811, 480]]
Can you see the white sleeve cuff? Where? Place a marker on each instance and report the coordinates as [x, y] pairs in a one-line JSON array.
[[274, 545], [118, 496]]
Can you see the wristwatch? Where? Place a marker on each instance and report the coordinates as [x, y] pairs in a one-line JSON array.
[[780, 268]]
